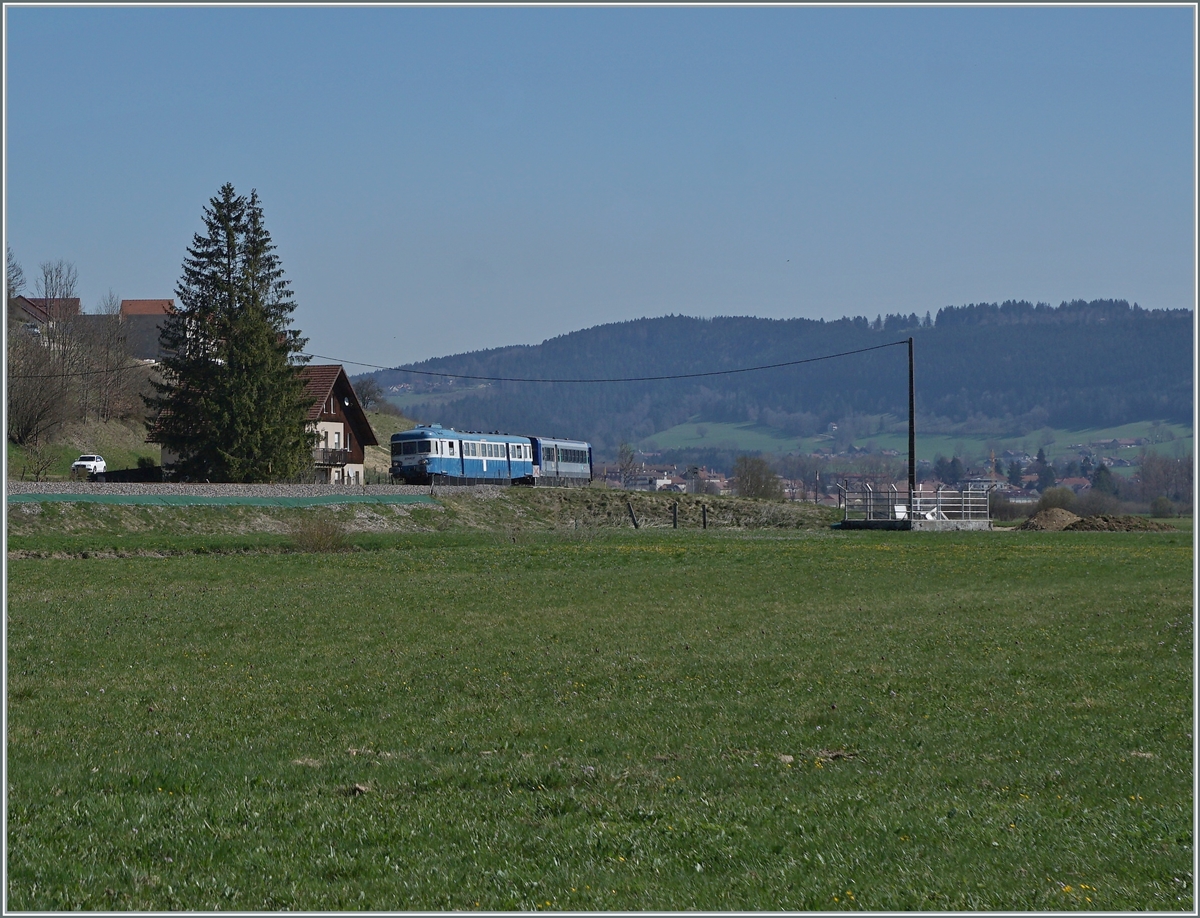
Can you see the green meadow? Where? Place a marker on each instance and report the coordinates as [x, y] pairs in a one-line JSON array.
[[894, 435], [580, 719]]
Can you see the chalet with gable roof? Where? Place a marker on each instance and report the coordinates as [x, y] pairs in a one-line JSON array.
[[343, 431]]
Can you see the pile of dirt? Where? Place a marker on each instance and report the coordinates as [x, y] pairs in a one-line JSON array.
[[1107, 523], [1053, 520]]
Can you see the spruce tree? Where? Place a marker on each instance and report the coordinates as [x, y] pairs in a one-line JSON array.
[[231, 404]]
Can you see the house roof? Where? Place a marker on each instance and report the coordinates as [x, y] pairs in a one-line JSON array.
[[66, 306], [31, 309], [147, 307], [323, 380]]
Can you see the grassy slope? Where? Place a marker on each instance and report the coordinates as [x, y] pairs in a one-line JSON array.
[[751, 437], [379, 458], [461, 721], [121, 443], [61, 527]]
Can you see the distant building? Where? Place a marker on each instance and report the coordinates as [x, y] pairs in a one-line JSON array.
[[142, 321]]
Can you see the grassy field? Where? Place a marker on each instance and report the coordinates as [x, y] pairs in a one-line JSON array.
[[603, 719], [758, 437]]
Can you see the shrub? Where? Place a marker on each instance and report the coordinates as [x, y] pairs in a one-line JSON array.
[[318, 532], [1097, 503], [1161, 506], [1062, 498]]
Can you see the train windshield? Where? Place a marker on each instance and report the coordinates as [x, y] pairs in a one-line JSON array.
[[410, 447]]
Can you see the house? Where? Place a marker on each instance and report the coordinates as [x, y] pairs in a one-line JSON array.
[[36, 313], [1076, 484], [23, 311], [343, 431], [142, 321]]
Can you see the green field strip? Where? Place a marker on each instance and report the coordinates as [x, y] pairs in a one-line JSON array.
[[185, 500]]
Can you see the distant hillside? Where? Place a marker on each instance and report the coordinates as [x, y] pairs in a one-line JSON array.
[[1015, 365]]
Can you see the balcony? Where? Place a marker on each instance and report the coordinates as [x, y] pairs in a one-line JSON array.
[[330, 458]]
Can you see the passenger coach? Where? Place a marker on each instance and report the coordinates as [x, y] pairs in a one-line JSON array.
[[441, 455], [561, 463]]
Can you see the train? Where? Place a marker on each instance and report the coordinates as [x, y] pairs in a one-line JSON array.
[[432, 454]]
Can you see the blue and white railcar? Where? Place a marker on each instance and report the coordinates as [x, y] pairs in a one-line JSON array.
[[561, 463], [432, 454]]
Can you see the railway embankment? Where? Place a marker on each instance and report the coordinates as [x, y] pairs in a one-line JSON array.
[[40, 510]]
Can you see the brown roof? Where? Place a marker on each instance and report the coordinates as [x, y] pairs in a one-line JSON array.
[[64, 306], [320, 380], [318, 383], [31, 309], [147, 307]]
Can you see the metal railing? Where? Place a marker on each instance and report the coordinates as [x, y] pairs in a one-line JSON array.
[[864, 502], [330, 457]]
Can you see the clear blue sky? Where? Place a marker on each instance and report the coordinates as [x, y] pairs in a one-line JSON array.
[[442, 180]]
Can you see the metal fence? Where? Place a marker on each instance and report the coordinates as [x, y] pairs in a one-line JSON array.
[[864, 502]]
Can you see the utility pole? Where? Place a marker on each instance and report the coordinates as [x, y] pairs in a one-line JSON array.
[[912, 436]]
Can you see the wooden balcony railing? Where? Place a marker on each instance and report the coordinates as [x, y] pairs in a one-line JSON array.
[[326, 458]]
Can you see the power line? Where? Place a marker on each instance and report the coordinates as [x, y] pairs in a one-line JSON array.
[[769, 366], [74, 373]]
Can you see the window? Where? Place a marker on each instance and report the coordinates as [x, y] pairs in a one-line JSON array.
[[423, 446], [337, 439], [451, 447]]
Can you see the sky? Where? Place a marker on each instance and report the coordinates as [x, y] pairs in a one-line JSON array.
[[441, 180]]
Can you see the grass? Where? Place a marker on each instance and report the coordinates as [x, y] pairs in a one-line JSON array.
[[62, 528], [121, 443], [760, 438], [607, 719]]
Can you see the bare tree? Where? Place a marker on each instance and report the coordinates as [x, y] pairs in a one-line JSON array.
[[14, 276], [756, 478], [55, 286], [626, 463], [35, 407], [109, 387], [369, 392]]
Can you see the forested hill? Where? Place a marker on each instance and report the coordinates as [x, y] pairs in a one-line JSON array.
[[1024, 366]]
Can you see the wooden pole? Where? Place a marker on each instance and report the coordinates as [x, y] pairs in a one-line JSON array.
[[629, 504], [912, 435], [703, 516], [675, 515]]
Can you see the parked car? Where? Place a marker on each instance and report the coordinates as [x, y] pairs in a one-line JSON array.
[[88, 465]]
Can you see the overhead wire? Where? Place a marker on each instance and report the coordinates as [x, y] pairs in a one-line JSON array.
[[521, 379], [619, 379]]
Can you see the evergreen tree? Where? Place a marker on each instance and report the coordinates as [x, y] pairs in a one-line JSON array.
[[231, 403], [1014, 474]]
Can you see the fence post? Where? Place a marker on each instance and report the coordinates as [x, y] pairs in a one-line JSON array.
[[675, 515], [629, 504], [703, 517]]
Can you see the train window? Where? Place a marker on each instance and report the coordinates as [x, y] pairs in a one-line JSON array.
[[451, 447], [422, 446]]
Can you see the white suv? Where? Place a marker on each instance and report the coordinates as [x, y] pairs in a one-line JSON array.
[[89, 465]]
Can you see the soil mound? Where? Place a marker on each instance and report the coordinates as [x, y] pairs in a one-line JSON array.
[[1107, 523], [1053, 520]]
